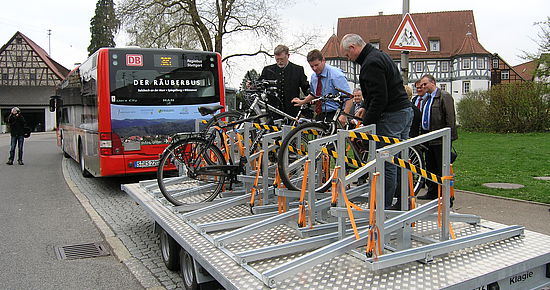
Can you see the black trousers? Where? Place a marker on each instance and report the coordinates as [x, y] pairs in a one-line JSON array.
[[434, 164]]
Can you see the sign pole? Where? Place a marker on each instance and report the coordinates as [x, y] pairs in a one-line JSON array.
[[405, 53]]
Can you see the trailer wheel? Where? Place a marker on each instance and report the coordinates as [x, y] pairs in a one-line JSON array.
[[187, 271], [169, 250]]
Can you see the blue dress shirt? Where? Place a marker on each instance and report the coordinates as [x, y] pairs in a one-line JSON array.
[[332, 78]]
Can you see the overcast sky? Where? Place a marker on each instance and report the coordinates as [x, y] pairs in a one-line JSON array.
[[503, 27]]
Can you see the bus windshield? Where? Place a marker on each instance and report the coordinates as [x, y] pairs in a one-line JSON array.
[[164, 79]]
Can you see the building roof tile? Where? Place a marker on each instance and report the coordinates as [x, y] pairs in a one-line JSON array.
[[526, 70], [449, 27], [60, 71]]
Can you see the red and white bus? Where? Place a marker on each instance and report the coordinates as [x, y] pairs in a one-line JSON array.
[[116, 110]]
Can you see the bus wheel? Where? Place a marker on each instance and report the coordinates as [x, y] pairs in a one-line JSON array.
[[187, 271], [169, 250], [83, 170], [65, 154]]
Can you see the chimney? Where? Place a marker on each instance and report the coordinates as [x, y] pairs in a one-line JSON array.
[[380, 13]]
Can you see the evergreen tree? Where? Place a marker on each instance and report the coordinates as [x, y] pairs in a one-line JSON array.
[[103, 26]]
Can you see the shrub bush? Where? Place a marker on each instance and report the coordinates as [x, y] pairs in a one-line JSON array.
[[472, 111], [515, 107]]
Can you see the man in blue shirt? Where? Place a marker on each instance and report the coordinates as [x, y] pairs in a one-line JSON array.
[[331, 78]]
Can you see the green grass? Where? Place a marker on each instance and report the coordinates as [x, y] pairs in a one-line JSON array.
[[511, 158]]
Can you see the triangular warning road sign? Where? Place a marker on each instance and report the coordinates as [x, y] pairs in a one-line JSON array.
[[407, 37]]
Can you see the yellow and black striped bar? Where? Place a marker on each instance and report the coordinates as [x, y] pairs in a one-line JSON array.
[[428, 175], [376, 138], [293, 150], [347, 160], [266, 127]]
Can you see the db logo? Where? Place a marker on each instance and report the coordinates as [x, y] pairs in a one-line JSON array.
[[134, 60]]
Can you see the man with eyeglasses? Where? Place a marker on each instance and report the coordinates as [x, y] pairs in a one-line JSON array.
[[438, 111]]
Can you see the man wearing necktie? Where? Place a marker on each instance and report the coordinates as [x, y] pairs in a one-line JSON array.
[[325, 80], [386, 103], [417, 106], [438, 111]]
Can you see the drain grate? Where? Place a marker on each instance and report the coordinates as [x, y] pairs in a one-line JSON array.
[[81, 251]]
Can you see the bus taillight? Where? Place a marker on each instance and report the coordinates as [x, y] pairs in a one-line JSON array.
[[110, 144]]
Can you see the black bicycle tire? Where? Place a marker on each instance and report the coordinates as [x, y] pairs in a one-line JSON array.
[[236, 114], [167, 154], [419, 164], [282, 163]]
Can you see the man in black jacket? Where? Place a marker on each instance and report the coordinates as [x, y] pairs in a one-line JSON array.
[[17, 124], [290, 80], [386, 103]]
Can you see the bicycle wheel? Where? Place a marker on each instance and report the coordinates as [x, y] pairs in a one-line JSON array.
[[179, 174], [224, 118], [292, 155], [416, 159]]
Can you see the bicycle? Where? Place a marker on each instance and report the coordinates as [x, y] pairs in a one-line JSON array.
[[195, 160], [293, 150], [257, 99]]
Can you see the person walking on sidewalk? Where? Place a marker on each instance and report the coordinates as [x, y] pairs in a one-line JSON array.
[[17, 124]]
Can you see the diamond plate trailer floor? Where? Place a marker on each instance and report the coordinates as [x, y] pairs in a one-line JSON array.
[[515, 263]]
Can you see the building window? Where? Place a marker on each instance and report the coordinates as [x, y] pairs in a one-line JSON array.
[[344, 65], [495, 62], [466, 63], [480, 63], [434, 45], [505, 75], [465, 87], [443, 87], [19, 40], [32, 76], [376, 44], [19, 58], [444, 66], [418, 67], [4, 77]]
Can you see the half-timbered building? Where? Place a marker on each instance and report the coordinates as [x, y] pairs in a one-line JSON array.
[[28, 76], [455, 57]]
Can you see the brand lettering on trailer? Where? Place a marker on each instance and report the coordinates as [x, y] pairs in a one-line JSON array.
[[520, 277], [134, 60]]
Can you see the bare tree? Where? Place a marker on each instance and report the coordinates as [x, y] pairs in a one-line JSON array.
[[153, 26], [542, 56], [202, 24]]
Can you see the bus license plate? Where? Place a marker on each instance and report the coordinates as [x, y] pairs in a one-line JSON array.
[[146, 163]]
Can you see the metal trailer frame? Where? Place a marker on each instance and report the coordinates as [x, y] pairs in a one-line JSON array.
[[235, 246], [515, 258]]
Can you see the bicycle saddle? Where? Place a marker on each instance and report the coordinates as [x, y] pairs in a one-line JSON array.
[[207, 110]]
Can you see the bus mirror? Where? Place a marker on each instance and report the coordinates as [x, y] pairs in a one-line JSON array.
[[55, 102], [52, 104]]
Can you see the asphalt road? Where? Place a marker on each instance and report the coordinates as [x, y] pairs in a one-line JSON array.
[[39, 212]]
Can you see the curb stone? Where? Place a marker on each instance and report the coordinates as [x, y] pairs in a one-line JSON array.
[[121, 253], [503, 197]]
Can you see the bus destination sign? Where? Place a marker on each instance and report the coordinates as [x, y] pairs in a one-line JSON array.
[[166, 60]]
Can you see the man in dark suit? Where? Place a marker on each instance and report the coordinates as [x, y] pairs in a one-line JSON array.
[[438, 111], [290, 80]]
